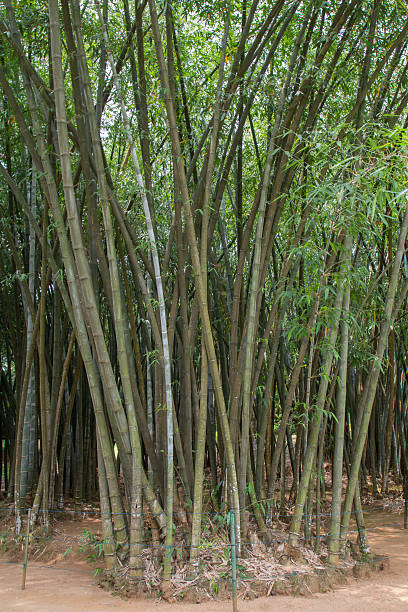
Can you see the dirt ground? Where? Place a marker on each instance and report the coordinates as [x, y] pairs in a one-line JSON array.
[[68, 585]]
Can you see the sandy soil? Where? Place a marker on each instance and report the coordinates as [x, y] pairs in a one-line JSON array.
[[69, 586]]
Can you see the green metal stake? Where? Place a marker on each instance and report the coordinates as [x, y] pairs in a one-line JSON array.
[[27, 539], [233, 562]]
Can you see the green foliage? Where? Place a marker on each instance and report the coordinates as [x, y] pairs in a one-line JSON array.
[[91, 545]]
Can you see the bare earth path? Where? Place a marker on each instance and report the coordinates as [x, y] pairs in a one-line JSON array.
[[70, 587]]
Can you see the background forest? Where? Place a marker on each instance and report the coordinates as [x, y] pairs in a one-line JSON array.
[[203, 263]]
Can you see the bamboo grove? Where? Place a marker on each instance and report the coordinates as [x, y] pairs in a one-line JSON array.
[[203, 262]]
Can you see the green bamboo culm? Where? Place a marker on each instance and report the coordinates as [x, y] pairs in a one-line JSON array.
[[233, 562], [339, 425], [26, 545]]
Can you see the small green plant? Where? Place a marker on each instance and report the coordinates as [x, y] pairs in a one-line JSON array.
[[67, 552], [91, 545]]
